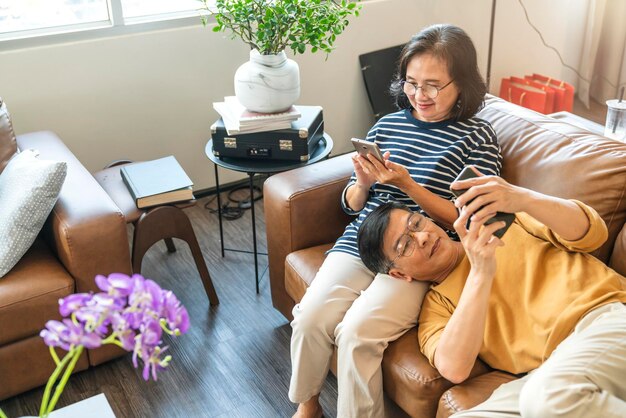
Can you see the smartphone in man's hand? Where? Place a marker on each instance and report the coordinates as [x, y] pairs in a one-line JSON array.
[[507, 218], [364, 148]]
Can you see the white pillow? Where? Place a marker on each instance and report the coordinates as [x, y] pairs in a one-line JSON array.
[[29, 188]]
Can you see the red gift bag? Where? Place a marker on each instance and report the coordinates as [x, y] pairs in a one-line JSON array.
[[527, 93], [564, 92]]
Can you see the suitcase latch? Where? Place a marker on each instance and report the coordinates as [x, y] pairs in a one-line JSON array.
[[230, 142], [285, 145]]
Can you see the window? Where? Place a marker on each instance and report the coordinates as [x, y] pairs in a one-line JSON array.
[[24, 15], [31, 18], [143, 8]]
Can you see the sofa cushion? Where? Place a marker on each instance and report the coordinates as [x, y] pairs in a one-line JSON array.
[[471, 393], [27, 364], [8, 146], [410, 380], [29, 188], [301, 267], [29, 294], [546, 155]]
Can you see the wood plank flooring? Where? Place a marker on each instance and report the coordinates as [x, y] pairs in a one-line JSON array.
[[234, 362]]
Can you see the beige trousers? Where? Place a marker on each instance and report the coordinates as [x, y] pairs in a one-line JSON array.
[[348, 307], [584, 377]]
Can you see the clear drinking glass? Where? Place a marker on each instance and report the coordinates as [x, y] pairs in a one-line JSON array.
[[615, 127]]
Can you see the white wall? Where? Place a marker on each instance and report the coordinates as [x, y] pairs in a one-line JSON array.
[[517, 48], [147, 95]]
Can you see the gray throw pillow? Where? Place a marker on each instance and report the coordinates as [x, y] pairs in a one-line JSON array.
[[29, 188]]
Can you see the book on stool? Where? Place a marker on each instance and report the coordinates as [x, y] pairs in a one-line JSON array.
[[157, 182]]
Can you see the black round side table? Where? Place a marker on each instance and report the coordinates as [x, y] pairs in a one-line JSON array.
[[260, 166]]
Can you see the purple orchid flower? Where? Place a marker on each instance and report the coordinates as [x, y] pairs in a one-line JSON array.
[[131, 311], [176, 314], [147, 346], [117, 284], [72, 303], [154, 363], [147, 295], [67, 334]]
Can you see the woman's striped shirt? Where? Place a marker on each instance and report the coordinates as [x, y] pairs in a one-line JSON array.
[[434, 153]]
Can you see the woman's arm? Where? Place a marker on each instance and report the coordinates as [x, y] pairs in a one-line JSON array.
[[356, 196], [358, 193], [439, 209]]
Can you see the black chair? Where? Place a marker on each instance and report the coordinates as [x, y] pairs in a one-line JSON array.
[[378, 68]]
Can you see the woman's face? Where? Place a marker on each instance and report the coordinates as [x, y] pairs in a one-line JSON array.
[[426, 69]]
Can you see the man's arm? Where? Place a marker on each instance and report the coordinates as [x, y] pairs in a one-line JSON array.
[[562, 216], [462, 337]]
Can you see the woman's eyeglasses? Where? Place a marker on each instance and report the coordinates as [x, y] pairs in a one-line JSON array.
[[428, 90]]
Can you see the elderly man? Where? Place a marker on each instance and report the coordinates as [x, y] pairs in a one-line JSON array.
[[532, 302]]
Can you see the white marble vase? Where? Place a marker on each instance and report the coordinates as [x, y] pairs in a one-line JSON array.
[[268, 83]]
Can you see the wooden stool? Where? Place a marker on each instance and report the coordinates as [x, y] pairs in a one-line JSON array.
[[154, 224]]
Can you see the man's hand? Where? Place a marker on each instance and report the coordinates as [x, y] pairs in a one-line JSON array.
[[479, 242], [494, 194], [490, 194]]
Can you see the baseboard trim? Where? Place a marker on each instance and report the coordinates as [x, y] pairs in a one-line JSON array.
[[211, 191]]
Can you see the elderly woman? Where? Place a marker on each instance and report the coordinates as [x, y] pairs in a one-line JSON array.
[[426, 144]]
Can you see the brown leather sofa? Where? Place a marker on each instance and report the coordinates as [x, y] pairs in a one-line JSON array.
[[85, 235], [303, 219]]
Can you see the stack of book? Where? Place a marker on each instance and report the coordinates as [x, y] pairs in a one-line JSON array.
[[157, 182], [238, 120]]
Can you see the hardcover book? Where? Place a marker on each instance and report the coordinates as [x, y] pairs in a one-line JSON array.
[[157, 182], [238, 120]]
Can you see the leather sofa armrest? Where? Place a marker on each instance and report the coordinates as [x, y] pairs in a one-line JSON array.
[[86, 230], [471, 393], [302, 210]]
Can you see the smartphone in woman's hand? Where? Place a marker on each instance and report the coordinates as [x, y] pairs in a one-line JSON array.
[[364, 148]]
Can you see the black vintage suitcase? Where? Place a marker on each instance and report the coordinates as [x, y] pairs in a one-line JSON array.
[[295, 144]]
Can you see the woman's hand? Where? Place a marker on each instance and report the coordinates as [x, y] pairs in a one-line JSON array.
[[488, 195], [365, 178], [479, 242], [385, 172]]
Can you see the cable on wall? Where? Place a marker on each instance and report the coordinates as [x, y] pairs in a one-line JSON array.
[[558, 53]]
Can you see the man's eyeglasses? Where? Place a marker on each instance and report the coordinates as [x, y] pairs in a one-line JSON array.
[[406, 243], [428, 90]]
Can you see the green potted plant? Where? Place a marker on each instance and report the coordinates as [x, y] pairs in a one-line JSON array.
[[270, 82]]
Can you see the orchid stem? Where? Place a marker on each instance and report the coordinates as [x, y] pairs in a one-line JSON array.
[[68, 372], [53, 377], [53, 353]]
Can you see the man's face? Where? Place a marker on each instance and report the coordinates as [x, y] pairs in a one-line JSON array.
[[428, 251]]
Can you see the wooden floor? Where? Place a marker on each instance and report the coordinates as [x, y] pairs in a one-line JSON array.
[[234, 362]]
